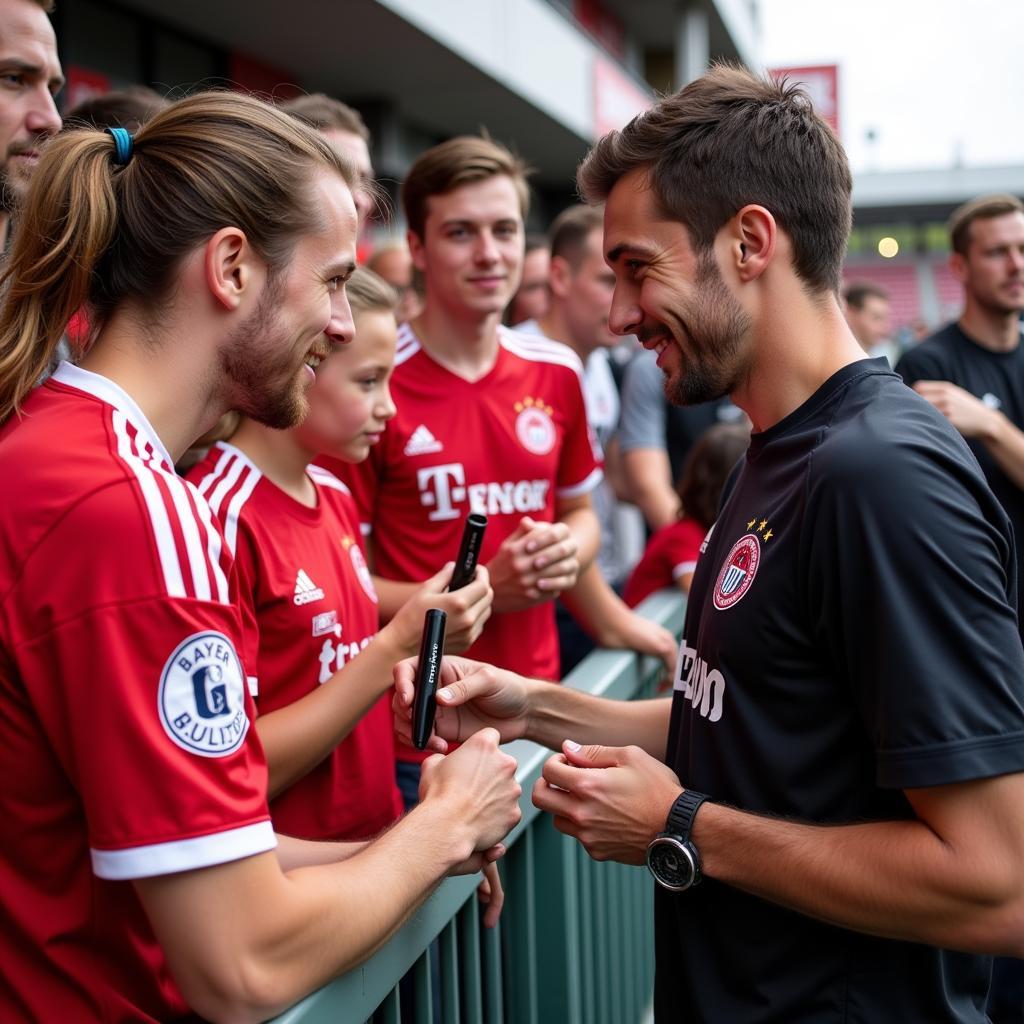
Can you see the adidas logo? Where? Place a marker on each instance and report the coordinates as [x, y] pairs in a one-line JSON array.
[[422, 442], [306, 591]]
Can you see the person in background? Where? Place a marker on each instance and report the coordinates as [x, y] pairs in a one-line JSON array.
[[488, 421], [344, 128], [533, 295], [28, 109], [392, 261], [671, 556], [868, 312], [127, 108], [972, 370]]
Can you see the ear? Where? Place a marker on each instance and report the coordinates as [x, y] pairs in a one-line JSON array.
[[560, 277], [754, 235], [230, 266], [415, 243], [958, 265]]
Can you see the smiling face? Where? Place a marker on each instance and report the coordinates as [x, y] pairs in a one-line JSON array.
[[471, 253], [271, 357], [350, 403], [30, 76], [673, 298]]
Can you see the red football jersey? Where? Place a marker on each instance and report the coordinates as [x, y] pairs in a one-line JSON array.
[[672, 552], [125, 742], [315, 610], [506, 445]]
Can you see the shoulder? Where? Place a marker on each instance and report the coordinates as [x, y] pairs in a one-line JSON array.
[[407, 345], [886, 445], [929, 357], [535, 348]]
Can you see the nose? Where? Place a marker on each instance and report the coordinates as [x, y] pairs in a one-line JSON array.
[[340, 328], [625, 316], [486, 248], [42, 117], [385, 409]]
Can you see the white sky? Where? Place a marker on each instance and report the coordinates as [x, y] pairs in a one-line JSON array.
[[938, 80]]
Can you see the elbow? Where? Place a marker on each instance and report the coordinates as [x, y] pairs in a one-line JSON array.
[[239, 993]]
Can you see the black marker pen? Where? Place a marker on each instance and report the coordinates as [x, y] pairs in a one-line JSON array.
[[469, 550], [428, 672]]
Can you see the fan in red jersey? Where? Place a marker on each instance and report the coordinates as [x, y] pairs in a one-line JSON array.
[[488, 421], [139, 874]]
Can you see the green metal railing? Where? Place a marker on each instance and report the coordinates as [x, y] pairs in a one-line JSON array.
[[576, 939]]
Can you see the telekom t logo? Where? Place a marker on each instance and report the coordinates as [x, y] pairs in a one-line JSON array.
[[439, 487]]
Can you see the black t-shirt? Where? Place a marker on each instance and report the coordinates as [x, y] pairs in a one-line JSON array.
[[850, 633], [997, 378]]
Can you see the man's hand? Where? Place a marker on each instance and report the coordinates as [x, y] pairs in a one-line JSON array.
[[614, 800], [467, 609], [471, 696], [972, 417], [480, 781], [535, 563]]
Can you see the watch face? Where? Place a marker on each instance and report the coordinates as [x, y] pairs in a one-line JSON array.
[[671, 863]]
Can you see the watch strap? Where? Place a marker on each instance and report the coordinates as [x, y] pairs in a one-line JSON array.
[[682, 813]]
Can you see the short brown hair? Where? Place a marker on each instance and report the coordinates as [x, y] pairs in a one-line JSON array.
[[459, 161], [982, 208], [324, 113], [728, 139], [859, 292], [47, 5], [369, 293], [123, 108], [571, 229]]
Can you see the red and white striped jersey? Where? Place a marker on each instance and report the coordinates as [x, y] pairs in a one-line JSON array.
[[507, 445], [315, 610], [125, 740]]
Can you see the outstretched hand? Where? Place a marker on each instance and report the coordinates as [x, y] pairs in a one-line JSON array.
[[471, 695]]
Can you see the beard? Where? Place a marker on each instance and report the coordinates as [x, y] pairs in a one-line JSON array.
[[259, 363], [715, 324]]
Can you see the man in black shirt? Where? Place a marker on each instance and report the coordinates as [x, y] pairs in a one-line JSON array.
[[841, 758], [973, 370]]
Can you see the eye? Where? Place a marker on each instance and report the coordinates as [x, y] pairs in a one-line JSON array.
[[458, 234], [12, 78]]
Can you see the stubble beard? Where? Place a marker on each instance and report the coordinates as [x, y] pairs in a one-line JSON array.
[[716, 326], [263, 380]]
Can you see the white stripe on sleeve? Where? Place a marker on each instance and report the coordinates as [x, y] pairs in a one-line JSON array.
[[184, 854]]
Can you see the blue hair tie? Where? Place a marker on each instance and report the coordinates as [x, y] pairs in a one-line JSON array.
[[122, 145]]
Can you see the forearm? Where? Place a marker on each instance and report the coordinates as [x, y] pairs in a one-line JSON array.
[[269, 938], [302, 853], [557, 713], [586, 531], [896, 879], [296, 738], [649, 478], [1006, 445], [593, 605]]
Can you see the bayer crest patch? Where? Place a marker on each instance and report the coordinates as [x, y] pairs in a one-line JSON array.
[[738, 572], [201, 699]]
